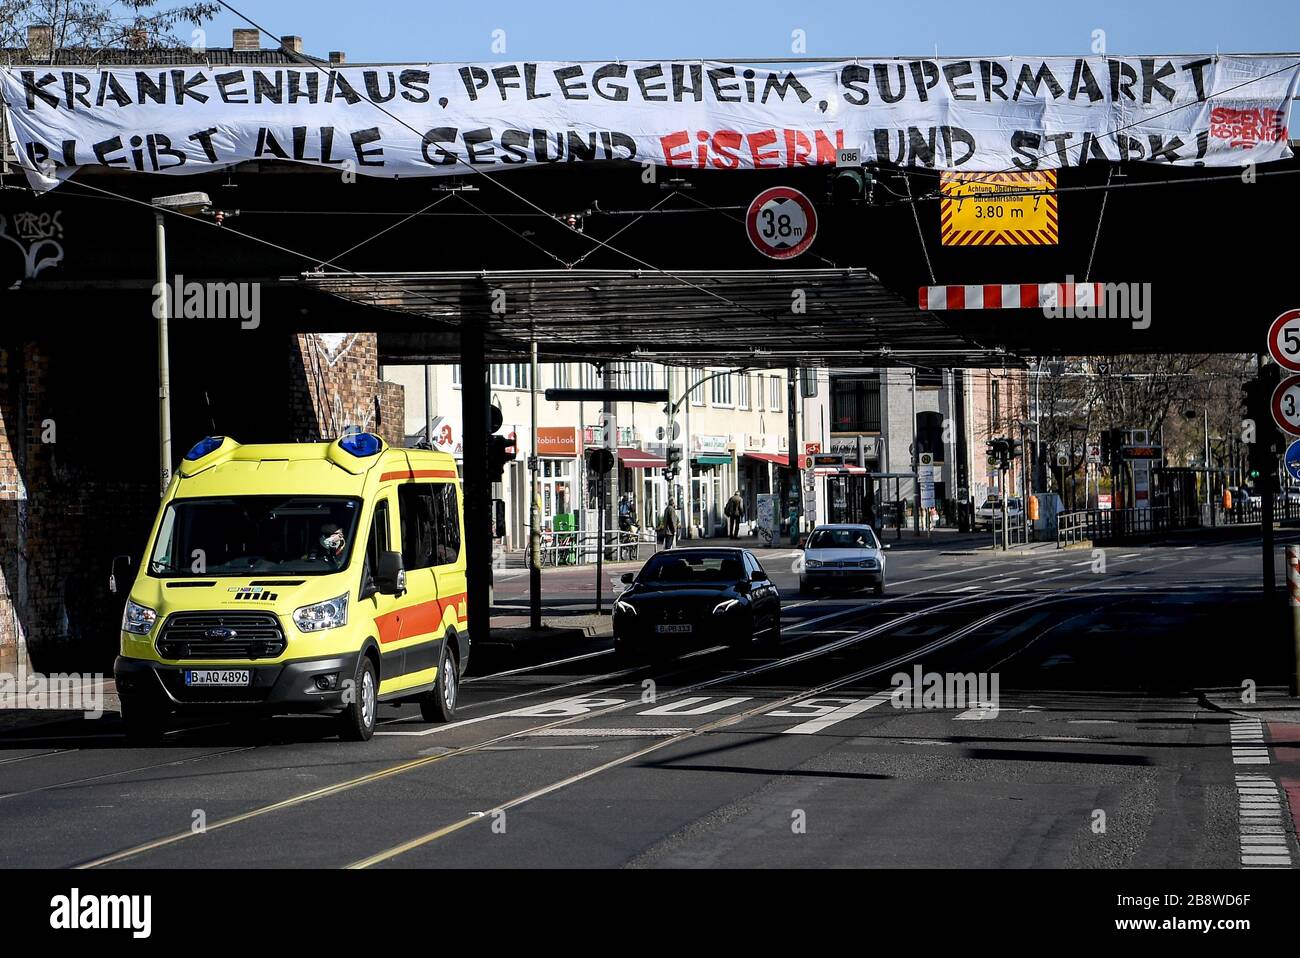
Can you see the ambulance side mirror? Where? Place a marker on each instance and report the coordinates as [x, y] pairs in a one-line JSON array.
[[390, 578], [122, 561]]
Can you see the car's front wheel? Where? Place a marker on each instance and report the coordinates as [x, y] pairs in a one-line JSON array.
[[357, 720]]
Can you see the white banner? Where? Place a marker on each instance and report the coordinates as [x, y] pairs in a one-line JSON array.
[[944, 114]]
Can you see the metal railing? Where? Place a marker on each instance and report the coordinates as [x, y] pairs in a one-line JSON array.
[[1102, 525], [582, 548]]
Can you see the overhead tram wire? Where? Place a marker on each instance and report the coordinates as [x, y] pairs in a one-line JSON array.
[[256, 239], [516, 194]]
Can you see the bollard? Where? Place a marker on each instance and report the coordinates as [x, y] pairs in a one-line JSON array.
[[1293, 588]]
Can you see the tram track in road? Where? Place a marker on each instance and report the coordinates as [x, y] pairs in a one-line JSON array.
[[412, 764], [395, 851], [593, 680], [730, 677]]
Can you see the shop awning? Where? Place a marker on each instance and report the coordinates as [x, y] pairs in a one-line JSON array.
[[779, 459], [717, 459], [630, 458]]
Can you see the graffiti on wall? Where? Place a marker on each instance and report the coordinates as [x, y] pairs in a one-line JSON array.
[[38, 236]]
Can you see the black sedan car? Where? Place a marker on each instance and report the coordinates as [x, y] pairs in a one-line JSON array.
[[684, 597]]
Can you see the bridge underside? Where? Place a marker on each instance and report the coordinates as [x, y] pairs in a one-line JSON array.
[[829, 317]]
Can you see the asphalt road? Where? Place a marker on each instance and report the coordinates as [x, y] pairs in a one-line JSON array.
[[1098, 754]]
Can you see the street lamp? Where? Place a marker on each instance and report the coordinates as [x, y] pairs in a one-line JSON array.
[[186, 204]]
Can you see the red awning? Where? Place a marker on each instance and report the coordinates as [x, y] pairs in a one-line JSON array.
[[773, 457], [638, 459]]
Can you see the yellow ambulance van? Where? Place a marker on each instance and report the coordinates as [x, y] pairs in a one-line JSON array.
[[299, 578]]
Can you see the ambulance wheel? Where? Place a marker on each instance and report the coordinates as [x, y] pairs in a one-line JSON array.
[[439, 704], [357, 720]]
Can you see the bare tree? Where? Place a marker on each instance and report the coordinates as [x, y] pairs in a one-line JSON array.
[[83, 29]]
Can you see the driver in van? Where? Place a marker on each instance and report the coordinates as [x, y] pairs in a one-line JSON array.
[[332, 544]]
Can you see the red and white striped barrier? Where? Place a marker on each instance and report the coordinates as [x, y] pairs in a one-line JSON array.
[[1012, 296]]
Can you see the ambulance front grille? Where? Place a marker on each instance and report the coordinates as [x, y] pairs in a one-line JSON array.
[[221, 635]]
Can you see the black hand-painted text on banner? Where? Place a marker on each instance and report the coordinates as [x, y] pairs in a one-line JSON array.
[[425, 119]]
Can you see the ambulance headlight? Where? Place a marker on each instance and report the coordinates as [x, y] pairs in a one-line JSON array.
[[329, 614], [138, 619]]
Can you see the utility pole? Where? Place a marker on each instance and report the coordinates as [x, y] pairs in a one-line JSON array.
[[916, 482], [164, 362], [534, 507], [792, 391]]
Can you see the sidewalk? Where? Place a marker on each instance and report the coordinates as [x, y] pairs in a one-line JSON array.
[[1272, 703], [19, 685]]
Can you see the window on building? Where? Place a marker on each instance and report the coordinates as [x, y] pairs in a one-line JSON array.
[[742, 391], [759, 397], [722, 389], [455, 375], [929, 378], [641, 375], [696, 378], [929, 434], [774, 398], [560, 375], [587, 376], [509, 375], [855, 404]]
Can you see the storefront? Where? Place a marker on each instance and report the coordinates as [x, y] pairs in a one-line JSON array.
[[711, 458], [754, 479], [641, 476], [557, 452]]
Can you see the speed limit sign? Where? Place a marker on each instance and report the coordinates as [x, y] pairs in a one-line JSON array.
[[781, 222], [1286, 405], [1284, 340]]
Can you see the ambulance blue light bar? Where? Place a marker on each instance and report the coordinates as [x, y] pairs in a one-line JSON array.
[[204, 446], [361, 444]]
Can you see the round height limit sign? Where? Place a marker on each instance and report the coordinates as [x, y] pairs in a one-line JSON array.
[[781, 222], [1286, 405], [1284, 340]]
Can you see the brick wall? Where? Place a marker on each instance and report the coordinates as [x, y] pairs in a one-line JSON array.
[[334, 385]]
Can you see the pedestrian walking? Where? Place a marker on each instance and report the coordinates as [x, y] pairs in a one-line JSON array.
[[670, 526], [734, 510]]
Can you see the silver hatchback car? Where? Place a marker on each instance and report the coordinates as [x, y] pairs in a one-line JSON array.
[[842, 555]]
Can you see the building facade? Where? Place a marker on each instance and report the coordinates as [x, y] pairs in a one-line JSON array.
[[733, 429]]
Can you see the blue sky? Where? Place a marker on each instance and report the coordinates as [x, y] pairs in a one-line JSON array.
[[619, 29]]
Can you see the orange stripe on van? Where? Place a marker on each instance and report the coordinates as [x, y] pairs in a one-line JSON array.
[[419, 619], [419, 474]]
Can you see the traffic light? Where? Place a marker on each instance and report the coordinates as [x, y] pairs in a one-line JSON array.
[[672, 456], [851, 185], [1262, 453], [501, 449], [1000, 449]]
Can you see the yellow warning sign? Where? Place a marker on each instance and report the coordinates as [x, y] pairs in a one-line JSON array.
[[998, 209]]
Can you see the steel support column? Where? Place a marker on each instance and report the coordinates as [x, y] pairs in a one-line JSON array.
[[474, 398]]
